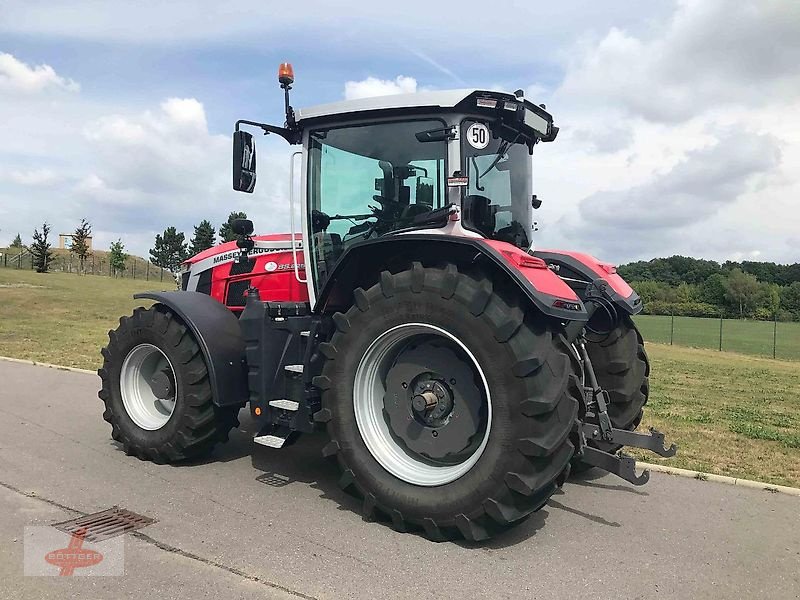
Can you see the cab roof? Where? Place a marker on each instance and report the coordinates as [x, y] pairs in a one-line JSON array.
[[437, 99]]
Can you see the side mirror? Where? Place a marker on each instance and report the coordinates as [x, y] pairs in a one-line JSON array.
[[242, 227], [244, 163]]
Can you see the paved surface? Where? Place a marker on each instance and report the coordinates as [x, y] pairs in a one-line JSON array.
[[255, 522]]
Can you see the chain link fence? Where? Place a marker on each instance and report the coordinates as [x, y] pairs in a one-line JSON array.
[[774, 339], [95, 264]]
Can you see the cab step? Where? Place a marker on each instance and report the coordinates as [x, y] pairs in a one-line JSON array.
[[294, 368], [285, 404], [272, 441]]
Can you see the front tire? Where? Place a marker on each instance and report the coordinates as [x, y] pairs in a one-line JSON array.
[[509, 381], [156, 390]]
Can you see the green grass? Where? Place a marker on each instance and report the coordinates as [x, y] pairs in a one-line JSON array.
[[62, 318], [730, 413], [743, 336]]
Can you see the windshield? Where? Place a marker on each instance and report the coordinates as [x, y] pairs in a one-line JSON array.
[[498, 199], [368, 180]]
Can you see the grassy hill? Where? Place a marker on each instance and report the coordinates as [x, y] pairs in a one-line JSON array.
[[731, 414], [96, 264]]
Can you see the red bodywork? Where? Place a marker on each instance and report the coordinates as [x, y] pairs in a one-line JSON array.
[[216, 271], [605, 271], [272, 271]]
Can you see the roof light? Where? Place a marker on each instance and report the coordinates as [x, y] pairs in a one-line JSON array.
[[487, 102], [510, 105], [286, 74]]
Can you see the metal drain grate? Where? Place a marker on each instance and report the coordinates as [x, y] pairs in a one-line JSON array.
[[103, 525]]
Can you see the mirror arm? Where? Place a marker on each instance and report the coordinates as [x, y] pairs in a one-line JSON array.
[[291, 135]]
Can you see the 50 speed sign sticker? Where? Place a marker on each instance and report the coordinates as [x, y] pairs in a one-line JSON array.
[[478, 136]]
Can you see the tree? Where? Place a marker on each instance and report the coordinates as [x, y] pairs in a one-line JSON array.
[[712, 290], [17, 243], [40, 249], [203, 237], [226, 231], [117, 257], [741, 289], [790, 298], [170, 250], [80, 242]]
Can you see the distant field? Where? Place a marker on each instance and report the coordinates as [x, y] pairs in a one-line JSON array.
[[730, 413], [63, 318], [743, 336]]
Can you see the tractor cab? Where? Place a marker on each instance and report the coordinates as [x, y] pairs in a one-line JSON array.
[[453, 162]]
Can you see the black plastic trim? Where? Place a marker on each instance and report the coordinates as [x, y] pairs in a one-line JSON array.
[[216, 331]]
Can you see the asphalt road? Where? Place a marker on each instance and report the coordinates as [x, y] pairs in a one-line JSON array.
[[252, 522]]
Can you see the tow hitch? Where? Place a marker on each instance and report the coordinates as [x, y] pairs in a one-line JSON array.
[[596, 427]]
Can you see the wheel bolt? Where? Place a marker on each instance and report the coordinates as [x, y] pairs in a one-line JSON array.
[[452, 382], [434, 433], [405, 385]]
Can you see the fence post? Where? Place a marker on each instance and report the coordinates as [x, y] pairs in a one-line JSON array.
[[93, 273], [162, 273], [147, 271], [774, 334], [134, 268], [720, 331], [672, 326]]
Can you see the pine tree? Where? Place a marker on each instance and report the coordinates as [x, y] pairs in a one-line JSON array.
[[117, 256], [40, 249], [226, 231], [203, 237], [169, 250], [80, 242], [17, 243]]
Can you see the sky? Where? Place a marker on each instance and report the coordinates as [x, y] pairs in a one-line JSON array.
[[679, 120]]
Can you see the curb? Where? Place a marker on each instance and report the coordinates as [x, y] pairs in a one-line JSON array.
[[748, 483], [48, 365]]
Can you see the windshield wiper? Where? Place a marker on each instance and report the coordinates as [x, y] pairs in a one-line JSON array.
[[477, 174], [501, 152]]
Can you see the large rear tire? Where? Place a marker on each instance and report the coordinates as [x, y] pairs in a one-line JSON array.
[[492, 448], [156, 390]]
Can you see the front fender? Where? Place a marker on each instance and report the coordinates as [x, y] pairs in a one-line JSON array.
[[361, 264], [579, 267], [216, 330]]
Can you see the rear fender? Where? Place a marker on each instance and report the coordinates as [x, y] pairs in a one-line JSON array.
[[216, 330], [361, 264], [583, 269]]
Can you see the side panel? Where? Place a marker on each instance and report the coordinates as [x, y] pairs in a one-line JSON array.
[[576, 265], [217, 332], [361, 264]]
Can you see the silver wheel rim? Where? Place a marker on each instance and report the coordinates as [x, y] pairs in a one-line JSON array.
[[368, 402], [142, 405]]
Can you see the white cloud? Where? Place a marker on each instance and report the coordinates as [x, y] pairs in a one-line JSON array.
[[31, 177], [16, 76], [372, 86], [711, 54]]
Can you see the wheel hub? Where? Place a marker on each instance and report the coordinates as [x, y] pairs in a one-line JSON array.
[[433, 403]]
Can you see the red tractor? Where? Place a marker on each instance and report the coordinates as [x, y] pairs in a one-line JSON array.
[[458, 372]]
